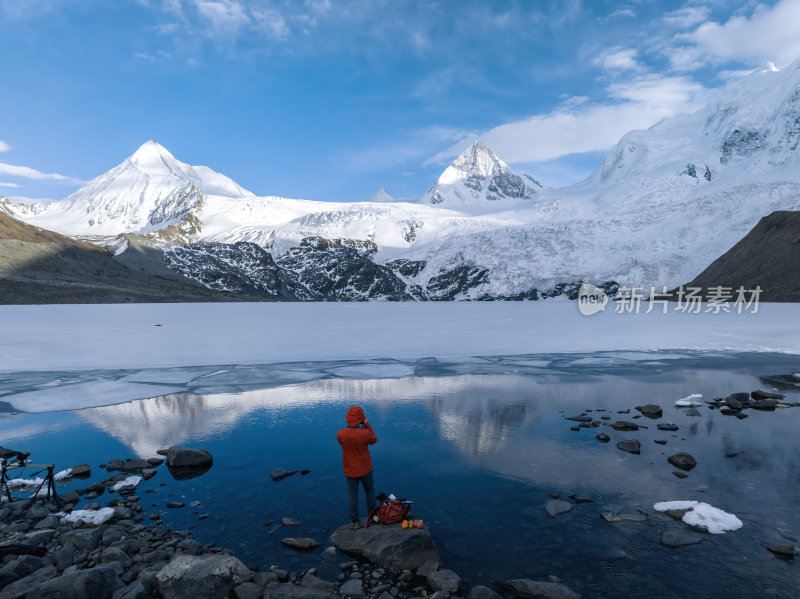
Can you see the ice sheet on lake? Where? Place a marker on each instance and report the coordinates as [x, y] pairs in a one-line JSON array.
[[702, 515], [108, 336], [96, 517], [129, 482], [690, 401], [373, 371], [99, 392]]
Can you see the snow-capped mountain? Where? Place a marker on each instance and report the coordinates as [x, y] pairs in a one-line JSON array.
[[381, 196], [476, 176], [149, 191], [662, 205]]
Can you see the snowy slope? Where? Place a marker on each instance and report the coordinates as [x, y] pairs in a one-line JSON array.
[[663, 204]]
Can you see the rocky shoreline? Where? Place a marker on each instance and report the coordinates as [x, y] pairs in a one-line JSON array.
[[54, 550]]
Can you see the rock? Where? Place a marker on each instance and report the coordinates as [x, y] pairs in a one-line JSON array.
[[184, 463], [134, 466], [733, 403], [248, 590], [99, 582], [303, 545], [766, 395], [680, 539], [602, 437], [115, 554], [623, 517], [387, 545], [24, 565], [742, 397], [682, 461], [138, 589], [764, 404], [482, 592], [148, 473], [650, 410], [676, 514], [154, 462], [782, 550], [624, 425], [554, 507], [352, 588], [87, 540], [71, 497], [175, 504], [581, 418], [285, 521], [525, 588], [277, 475], [211, 575], [314, 582], [293, 591], [81, 471], [7, 577], [444, 580], [630, 445], [679, 474], [667, 426], [21, 587], [660, 441], [428, 568]]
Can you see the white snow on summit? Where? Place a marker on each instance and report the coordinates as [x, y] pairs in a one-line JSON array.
[[478, 175]]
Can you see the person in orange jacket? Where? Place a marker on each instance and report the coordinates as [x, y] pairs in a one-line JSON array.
[[356, 461]]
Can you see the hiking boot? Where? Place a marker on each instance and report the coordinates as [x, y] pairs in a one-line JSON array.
[[355, 524]]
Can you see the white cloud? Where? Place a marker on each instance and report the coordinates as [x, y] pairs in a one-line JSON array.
[[769, 33], [687, 17], [272, 23], [166, 28], [222, 16], [2, 184], [4, 147], [618, 60], [622, 12], [572, 129], [27, 172]]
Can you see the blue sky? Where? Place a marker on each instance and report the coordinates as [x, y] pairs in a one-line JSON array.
[[331, 100]]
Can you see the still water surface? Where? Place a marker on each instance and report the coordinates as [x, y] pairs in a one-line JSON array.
[[479, 447]]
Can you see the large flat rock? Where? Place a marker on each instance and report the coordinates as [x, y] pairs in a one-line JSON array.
[[387, 545]]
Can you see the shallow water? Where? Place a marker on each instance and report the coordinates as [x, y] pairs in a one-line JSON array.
[[478, 445]]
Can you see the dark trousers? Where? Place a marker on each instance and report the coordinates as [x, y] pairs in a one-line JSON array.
[[352, 493]]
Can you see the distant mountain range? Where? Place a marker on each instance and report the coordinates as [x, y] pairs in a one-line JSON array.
[[662, 205]]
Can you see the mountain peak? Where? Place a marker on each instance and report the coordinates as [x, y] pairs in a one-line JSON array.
[[381, 196], [476, 175], [154, 159], [479, 161]]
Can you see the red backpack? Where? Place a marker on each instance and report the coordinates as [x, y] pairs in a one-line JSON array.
[[389, 513]]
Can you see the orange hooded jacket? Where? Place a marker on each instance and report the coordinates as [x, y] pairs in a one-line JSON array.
[[354, 440]]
